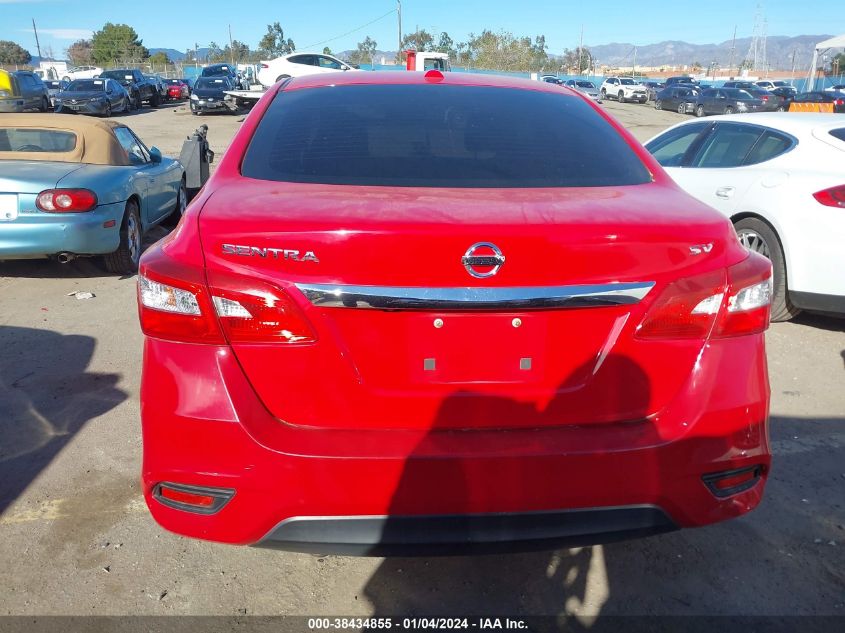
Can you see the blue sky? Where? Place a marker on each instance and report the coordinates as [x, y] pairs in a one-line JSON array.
[[179, 24]]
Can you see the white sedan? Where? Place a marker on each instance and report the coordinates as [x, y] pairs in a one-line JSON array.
[[82, 72], [297, 65], [780, 178]]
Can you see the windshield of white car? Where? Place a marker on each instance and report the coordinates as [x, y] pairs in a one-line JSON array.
[[86, 85], [628, 82], [454, 136]]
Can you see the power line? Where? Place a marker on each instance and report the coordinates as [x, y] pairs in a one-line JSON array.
[[391, 12]]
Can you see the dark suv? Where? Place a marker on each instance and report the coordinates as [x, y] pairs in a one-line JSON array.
[[139, 87], [33, 91], [726, 101]]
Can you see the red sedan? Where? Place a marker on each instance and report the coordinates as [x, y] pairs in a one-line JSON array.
[[177, 89], [437, 313]]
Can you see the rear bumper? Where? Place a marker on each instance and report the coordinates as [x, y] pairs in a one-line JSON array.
[[41, 235], [214, 106], [12, 105], [465, 534], [204, 426]]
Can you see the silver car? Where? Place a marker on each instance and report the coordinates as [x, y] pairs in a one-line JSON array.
[[587, 87]]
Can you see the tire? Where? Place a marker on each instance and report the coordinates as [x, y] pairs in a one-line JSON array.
[[603, 94], [699, 111], [729, 110], [682, 108], [124, 260], [780, 109], [107, 113], [621, 96], [282, 77], [136, 101], [45, 105], [759, 237], [179, 210], [658, 104], [155, 100]]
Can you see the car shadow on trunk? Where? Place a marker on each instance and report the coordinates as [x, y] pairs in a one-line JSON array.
[[46, 396]]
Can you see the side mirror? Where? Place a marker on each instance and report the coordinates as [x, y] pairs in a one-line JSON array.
[[155, 154]]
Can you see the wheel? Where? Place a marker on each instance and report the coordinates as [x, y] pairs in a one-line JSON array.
[[155, 100], [682, 108], [603, 94], [621, 97], [282, 77], [757, 236], [781, 109], [107, 113], [729, 110], [45, 105], [699, 111], [136, 101], [124, 260], [181, 200], [658, 104]]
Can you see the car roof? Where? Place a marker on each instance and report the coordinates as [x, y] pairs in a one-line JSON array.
[[96, 143], [386, 77], [798, 124]]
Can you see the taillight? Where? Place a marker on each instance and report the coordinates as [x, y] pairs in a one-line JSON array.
[[265, 66], [66, 200], [839, 102], [252, 311], [713, 304], [833, 197]]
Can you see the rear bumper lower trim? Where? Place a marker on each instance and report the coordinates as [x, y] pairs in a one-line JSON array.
[[464, 534], [513, 298]]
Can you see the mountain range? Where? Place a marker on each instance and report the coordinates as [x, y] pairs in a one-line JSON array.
[[780, 51]]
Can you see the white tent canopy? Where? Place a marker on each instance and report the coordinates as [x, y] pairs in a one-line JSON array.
[[833, 42]]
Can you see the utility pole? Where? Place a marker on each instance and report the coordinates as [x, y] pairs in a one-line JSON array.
[[231, 50], [792, 74], [196, 54], [580, 48], [733, 47], [37, 45], [399, 15]]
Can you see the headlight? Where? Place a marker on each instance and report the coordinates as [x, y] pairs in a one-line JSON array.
[[194, 98]]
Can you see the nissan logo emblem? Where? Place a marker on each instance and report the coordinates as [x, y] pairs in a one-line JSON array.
[[483, 255]]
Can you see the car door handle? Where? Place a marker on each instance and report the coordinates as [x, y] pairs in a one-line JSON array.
[[724, 192]]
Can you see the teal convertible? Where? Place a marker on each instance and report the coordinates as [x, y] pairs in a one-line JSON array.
[[76, 187]]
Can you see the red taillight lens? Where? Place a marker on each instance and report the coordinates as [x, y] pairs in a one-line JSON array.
[[252, 311], [66, 200], [833, 197], [264, 66], [839, 102], [713, 304]]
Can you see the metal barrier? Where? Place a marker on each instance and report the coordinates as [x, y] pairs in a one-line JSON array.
[[811, 107]]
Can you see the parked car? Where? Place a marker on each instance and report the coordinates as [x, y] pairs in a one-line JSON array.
[[54, 87], [299, 64], [453, 422], [33, 93], [683, 79], [771, 101], [586, 87], [678, 97], [101, 97], [652, 88], [209, 96], [139, 88], [818, 96], [81, 187], [726, 101], [767, 84], [552, 79], [623, 89], [188, 81], [741, 85], [177, 89], [778, 177], [161, 86], [787, 93], [10, 93], [82, 72]]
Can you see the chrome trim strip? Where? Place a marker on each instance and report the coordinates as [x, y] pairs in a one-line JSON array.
[[513, 298]]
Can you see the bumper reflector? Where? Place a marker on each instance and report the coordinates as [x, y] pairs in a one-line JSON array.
[[196, 499], [731, 482]]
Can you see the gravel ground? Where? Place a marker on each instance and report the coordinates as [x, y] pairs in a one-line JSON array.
[[76, 538]]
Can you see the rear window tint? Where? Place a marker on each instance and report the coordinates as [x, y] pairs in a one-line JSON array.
[[14, 139], [838, 133], [438, 136]]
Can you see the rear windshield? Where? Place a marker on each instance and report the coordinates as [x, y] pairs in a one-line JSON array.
[[438, 136], [16, 139]]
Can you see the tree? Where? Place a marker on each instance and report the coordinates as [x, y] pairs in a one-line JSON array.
[[117, 43], [160, 59], [274, 44], [12, 53], [577, 61], [503, 51], [365, 52], [327, 51], [418, 41], [446, 45], [80, 53]]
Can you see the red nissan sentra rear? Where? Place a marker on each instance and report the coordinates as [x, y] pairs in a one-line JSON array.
[[429, 314]]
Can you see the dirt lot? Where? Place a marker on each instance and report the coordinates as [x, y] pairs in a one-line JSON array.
[[76, 538]]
